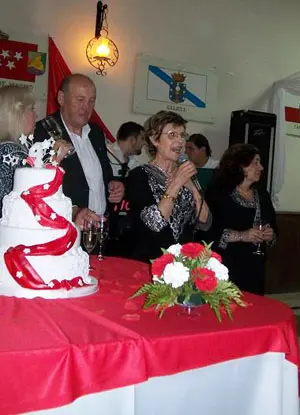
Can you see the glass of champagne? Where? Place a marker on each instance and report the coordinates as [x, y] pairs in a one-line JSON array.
[[53, 129], [259, 250], [102, 233], [89, 237]]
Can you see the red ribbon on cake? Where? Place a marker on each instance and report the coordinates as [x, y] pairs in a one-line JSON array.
[[15, 257]]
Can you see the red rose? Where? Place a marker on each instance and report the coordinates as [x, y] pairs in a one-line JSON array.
[[159, 265], [191, 249], [205, 279], [217, 256]]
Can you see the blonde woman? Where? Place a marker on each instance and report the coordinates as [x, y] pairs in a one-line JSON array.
[[17, 118]]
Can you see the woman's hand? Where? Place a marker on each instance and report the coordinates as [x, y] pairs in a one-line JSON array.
[[252, 235], [190, 185], [267, 233], [197, 196], [182, 177]]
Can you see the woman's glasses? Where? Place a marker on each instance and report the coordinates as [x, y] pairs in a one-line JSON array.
[[175, 135]]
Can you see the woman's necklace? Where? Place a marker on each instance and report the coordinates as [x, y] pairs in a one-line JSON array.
[[246, 194], [166, 172]]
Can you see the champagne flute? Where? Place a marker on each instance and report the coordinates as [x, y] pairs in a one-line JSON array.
[[259, 251], [89, 237], [103, 226], [53, 129]]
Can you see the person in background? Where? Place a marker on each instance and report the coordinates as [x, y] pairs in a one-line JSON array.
[[243, 217], [199, 152], [122, 156], [122, 153], [164, 203], [17, 118], [88, 178]]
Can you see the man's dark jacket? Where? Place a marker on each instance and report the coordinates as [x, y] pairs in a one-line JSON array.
[[75, 185]]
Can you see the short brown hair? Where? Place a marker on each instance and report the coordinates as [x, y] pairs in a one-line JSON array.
[[199, 140], [156, 123]]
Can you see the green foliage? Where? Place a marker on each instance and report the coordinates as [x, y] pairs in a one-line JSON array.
[[163, 296], [225, 294], [159, 295]]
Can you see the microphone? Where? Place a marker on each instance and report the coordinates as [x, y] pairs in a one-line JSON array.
[[182, 159]]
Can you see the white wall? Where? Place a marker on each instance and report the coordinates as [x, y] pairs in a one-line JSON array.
[[251, 44], [289, 197]]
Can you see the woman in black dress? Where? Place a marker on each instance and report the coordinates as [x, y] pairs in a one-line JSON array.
[[164, 203], [243, 216]]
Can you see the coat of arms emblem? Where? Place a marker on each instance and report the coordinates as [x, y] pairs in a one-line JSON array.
[[177, 88]]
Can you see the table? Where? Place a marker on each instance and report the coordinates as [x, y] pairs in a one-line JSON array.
[[117, 357]]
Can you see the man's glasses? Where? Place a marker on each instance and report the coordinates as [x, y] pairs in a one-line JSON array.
[[174, 135]]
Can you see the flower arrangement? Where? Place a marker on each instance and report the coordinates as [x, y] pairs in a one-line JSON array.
[[186, 271]]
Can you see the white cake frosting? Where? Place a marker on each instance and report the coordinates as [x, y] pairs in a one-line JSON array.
[[19, 226], [13, 205]]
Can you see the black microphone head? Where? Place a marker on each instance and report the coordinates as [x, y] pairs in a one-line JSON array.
[[183, 158]]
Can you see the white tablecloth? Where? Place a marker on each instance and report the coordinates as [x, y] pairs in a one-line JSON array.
[[261, 385]]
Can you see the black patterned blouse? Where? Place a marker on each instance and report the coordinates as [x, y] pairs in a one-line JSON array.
[[145, 187], [11, 156]]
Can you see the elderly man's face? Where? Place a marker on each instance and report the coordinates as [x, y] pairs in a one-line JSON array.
[[78, 102]]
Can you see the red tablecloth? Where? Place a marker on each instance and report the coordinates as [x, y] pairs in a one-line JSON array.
[[53, 351]]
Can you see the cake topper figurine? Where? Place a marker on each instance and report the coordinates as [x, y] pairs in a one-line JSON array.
[[39, 153]]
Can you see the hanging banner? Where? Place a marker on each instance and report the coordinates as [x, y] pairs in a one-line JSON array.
[[292, 114], [23, 61], [183, 88]]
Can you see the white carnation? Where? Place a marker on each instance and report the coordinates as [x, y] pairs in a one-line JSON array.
[[219, 269], [175, 274], [174, 249]]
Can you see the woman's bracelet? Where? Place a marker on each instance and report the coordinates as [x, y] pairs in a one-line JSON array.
[[167, 196], [235, 236]]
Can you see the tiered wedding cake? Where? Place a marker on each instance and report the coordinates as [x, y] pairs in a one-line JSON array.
[[40, 253]]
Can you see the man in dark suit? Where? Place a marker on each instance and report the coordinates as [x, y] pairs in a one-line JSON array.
[[88, 179]]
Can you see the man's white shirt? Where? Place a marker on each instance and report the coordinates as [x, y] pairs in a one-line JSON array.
[[91, 167], [116, 167], [211, 164]]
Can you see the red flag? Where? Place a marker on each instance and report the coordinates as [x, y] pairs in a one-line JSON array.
[[14, 60], [292, 114], [58, 70]]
